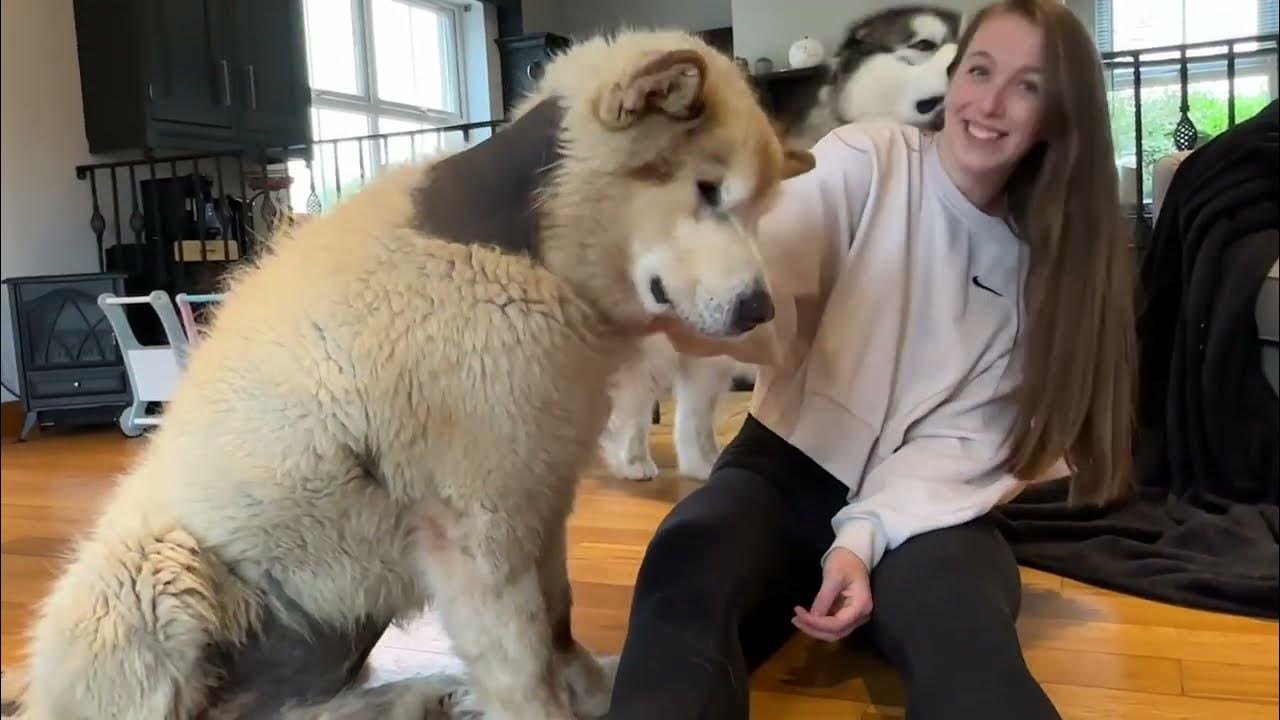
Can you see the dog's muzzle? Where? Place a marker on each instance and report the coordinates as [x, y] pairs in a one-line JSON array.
[[928, 105], [752, 309]]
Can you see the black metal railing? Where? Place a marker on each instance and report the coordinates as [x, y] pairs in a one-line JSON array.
[[178, 223], [1175, 65], [332, 168], [168, 217]]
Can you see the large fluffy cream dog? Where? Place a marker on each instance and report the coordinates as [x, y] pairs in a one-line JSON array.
[[395, 403]]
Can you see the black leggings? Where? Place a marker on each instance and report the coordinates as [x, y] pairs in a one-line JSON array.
[[715, 594]]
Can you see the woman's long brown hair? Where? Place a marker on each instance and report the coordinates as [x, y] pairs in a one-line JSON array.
[[1076, 402]]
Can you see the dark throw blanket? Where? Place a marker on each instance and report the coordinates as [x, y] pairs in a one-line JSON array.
[[1202, 530]]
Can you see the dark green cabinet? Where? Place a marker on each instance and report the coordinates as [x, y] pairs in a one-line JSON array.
[[188, 62], [192, 74], [272, 70]]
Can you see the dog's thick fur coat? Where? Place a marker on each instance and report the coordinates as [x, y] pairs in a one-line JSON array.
[[382, 417]]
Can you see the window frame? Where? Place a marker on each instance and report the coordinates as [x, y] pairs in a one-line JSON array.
[[1161, 68], [1104, 29], [1168, 72], [366, 100]]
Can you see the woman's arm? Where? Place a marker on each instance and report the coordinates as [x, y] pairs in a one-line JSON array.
[[806, 232], [947, 471]]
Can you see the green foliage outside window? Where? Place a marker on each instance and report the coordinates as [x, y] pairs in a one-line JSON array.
[[1161, 110]]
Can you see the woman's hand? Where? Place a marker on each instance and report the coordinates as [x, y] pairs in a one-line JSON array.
[[844, 602], [676, 331]]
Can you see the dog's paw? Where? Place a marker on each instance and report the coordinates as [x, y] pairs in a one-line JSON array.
[[460, 704], [697, 467], [631, 467], [590, 684]]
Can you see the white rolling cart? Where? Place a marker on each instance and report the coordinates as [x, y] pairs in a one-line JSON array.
[[153, 370]]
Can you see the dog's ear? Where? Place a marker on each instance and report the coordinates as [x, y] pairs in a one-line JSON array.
[[796, 162], [670, 83]]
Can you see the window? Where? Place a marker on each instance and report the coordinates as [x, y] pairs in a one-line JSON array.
[[393, 61], [376, 67], [1139, 24]]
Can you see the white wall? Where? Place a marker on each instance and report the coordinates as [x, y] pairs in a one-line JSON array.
[[1084, 10], [579, 18], [481, 62], [766, 28], [44, 215]]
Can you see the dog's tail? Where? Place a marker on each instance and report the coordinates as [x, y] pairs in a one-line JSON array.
[[126, 628]]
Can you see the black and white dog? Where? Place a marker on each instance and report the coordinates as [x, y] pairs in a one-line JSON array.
[[892, 64]]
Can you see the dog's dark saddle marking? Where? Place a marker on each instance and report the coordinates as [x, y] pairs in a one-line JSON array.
[[281, 666], [486, 194]]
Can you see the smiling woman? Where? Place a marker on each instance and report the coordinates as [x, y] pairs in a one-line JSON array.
[[1027, 127], [953, 317]]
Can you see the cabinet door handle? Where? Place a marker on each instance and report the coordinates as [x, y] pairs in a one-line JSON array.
[[226, 83], [253, 88]]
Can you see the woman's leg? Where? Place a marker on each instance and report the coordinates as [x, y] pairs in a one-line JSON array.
[[945, 607], [714, 595]]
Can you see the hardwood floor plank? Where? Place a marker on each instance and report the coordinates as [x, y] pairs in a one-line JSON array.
[[779, 706], [1071, 602], [1106, 670], [1230, 681], [611, 563], [1082, 703], [1151, 641]]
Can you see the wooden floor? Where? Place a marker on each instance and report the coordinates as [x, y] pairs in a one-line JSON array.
[[1098, 654]]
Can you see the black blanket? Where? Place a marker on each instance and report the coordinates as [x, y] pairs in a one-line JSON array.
[[1202, 529]]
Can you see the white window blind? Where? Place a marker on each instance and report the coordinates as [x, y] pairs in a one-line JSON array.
[[1138, 24]]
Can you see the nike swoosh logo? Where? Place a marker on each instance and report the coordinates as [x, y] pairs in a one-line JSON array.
[[993, 291]]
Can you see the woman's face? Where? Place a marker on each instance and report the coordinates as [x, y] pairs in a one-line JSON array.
[[993, 105]]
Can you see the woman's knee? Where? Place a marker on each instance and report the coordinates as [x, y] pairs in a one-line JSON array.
[[967, 563], [712, 541]]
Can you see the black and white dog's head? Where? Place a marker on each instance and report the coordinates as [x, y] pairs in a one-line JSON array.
[[891, 65]]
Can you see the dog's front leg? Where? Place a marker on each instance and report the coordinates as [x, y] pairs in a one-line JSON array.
[[624, 444], [699, 383], [487, 591], [589, 684]]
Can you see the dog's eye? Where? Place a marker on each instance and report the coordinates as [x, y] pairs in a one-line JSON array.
[[710, 192], [924, 45]]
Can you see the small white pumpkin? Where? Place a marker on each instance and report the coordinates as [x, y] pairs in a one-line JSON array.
[[806, 52]]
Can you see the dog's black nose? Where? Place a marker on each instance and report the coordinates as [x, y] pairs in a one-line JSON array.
[[754, 308], [928, 105], [658, 291]]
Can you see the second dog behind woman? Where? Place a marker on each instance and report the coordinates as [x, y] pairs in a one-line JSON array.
[[954, 317]]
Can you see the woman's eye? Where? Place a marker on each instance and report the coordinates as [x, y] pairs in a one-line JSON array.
[[1030, 87], [710, 192], [977, 71]]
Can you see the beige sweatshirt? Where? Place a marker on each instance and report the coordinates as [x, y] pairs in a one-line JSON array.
[[895, 349]]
